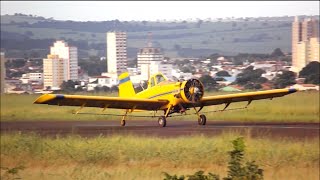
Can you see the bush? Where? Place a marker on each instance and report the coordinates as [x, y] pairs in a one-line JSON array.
[[236, 169]]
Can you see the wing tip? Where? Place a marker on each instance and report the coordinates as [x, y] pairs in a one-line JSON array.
[[293, 90], [44, 98]]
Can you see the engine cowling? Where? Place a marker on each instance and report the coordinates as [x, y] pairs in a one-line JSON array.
[[192, 90]]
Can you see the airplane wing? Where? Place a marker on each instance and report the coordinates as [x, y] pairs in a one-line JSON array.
[[100, 101], [239, 97]]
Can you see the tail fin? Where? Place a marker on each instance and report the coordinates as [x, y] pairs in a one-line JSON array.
[[125, 86]]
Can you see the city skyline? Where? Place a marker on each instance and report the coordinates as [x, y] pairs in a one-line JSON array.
[[158, 10]]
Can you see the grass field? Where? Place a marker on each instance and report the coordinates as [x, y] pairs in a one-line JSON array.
[[297, 107], [131, 157]]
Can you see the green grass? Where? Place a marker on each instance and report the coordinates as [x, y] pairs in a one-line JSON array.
[[297, 107], [123, 157]]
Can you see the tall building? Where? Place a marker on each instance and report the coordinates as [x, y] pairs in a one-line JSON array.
[[3, 71], [305, 42], [53, 72], [117, 52], [307, 51], [70, 56], [60, 65]]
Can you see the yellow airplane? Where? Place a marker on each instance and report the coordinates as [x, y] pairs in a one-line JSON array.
[[161, 94]]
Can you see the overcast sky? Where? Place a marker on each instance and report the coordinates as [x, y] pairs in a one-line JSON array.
[[157, 10]]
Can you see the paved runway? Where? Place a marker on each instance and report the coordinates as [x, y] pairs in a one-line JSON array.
[[174, 128]]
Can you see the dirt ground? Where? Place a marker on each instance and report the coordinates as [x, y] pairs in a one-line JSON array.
[[174, 128]]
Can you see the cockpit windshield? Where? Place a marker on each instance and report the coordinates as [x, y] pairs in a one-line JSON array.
[[159, 78], [156, 79]]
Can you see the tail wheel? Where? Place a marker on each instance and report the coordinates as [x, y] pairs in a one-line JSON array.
[[162, 121], [202, 119], [123, 122]]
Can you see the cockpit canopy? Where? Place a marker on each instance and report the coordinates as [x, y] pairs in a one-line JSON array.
[[156, 79]]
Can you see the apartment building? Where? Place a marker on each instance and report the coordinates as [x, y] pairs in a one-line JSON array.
[[117, 52], [60, 65], [70, 56], [53, 72], [305, 42]]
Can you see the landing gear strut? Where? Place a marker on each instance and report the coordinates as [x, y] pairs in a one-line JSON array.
[[123, 120]]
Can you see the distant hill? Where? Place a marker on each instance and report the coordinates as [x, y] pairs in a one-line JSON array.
[[21, 33]]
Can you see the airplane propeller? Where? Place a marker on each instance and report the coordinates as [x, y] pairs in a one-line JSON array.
[[193, 90]]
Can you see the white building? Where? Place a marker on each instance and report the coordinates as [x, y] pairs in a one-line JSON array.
[[100, 81], [70, 56], [53, 72], [26, 78], [134, 71], [117, 52], [36, 76], [177, 74], [149, 54], [154, 67], [150, 61]]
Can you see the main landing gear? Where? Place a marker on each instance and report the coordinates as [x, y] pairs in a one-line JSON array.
[[162, 121], [202, 119], [123, 120]]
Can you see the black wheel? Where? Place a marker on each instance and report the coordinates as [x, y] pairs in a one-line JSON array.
[[123, 122], [202, 120], [162, 121]]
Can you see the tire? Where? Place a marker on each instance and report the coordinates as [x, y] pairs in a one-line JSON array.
[[123, 122], [202, 120], [162, 121]]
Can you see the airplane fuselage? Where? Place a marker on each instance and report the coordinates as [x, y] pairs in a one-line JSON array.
[[166, 90]]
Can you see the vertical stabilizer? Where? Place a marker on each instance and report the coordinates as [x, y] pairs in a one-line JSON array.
[[125, 86]]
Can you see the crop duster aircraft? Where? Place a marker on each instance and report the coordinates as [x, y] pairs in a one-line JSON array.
[[161, 95]]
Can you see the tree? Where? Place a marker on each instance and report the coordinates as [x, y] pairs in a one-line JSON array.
[[186, 69], [277, 53], [94, 66], [101, 89], [114, 89], [133, 63], [223, 73], [251, 78], [311, 73], [68, 86], [208, 82], [285, 79]]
